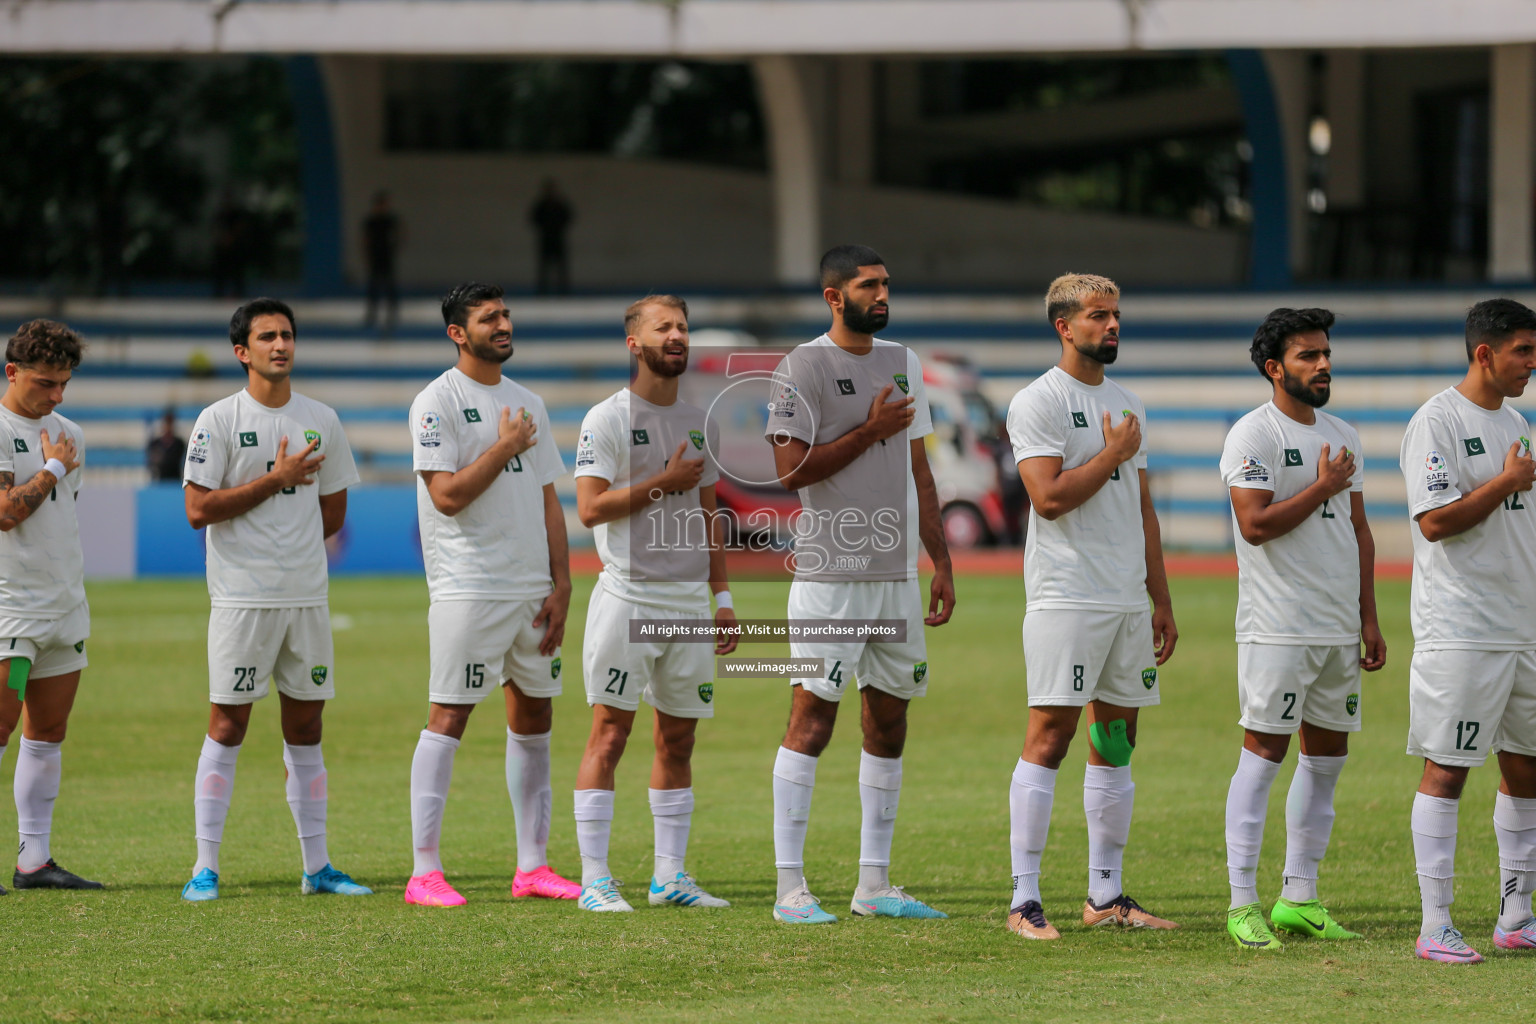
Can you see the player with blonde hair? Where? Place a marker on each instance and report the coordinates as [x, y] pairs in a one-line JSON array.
[[1089, 638]]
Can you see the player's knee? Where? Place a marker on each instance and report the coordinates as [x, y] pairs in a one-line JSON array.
[[1048, 747], [677, 746], [530, 716], [1114, 741], [608, 743], [809, 736], [302, 734], [888, 741], [45, 732]]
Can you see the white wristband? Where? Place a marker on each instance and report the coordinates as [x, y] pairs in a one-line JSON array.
[[723, 600], [55, 467]]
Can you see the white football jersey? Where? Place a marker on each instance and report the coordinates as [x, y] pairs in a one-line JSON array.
[[1476, 590], [860, 523], [42, 571], [1304, 587], [1095, 555], [660, 555], [496, 547], [272, 556]]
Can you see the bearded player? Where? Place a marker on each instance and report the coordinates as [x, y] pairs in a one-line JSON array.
[[645, 480], [1306, 601], [1089, 638], [498, 573], [847, 424]]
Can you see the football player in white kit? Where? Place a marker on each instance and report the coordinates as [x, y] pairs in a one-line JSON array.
[[1472, 682], [498, 572], [267, 473], [1092, 557], [847, 422], [1306, 601], [645, 481], [44, 620]]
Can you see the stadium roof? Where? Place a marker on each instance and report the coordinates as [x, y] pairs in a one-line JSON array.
[[726, 28]]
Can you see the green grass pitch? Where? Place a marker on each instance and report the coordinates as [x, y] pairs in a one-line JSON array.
[[137, 952]]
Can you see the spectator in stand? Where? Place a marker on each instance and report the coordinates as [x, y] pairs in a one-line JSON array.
[[166, 452], [551, 216], [381, 244]]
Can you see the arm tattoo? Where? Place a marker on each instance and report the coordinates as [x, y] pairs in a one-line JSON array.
[[17, 503]]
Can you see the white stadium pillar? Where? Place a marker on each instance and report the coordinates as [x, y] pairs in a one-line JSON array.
[[794, 167], [1512, 162]]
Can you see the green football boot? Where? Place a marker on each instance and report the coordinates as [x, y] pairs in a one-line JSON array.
[[1246, 926], [1310, 919]]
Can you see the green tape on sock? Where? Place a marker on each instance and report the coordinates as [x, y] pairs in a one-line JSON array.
[[20, 669], [1111, 742]]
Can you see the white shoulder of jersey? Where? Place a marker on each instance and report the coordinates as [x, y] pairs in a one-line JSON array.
[[224, 405]]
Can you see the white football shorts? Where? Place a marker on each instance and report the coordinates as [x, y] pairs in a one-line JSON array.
[[899, 669], [477, 646], [249, 646], [674, 677], [1464, 705], [1074, 655], [56, 646], [1279, 686]]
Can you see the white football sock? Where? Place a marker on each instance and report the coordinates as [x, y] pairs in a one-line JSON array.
[[1030, 796], [532, 796], [1308, 823], [794, 780], [307, 800], [1247, 802], [879, 796], [38, 767], [431, 772], [211, 792], [672, 813], [594, 823], [1434, 854], [1514, 822], [1109, 796]]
